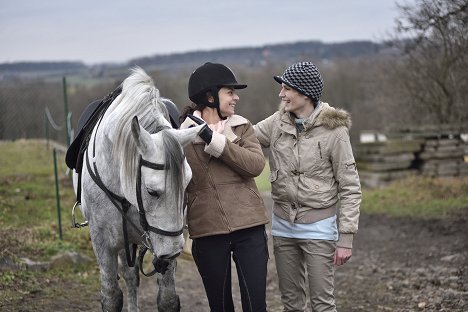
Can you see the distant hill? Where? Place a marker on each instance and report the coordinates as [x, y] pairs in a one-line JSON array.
[[258, 56], [248, 56], [41, 66]]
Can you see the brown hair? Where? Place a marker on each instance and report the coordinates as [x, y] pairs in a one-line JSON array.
[[189, 109]]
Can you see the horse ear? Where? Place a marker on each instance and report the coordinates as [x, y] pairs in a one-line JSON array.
[[185, 136], [135, 127], [140, 135]]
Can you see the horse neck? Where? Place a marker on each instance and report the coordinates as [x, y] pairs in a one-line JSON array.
[[108, 163]]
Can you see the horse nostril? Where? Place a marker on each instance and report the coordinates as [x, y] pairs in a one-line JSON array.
[[170, 256]]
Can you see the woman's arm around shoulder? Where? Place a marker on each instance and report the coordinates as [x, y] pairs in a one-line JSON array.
[[264, 129]]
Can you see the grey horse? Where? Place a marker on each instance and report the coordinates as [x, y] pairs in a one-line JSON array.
[[135, 172]]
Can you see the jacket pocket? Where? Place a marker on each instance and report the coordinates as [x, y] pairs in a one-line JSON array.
[[317, 191], [315, 183]]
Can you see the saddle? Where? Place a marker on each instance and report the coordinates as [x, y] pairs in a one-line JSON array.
[[86, 123]]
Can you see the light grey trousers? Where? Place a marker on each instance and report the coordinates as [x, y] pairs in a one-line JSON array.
[[297, 258]]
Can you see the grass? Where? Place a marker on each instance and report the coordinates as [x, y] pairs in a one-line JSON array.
[[262, 181], [27, 193], [29, 225], [419, 197]]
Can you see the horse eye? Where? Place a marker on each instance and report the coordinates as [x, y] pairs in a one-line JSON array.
[[153, 192]]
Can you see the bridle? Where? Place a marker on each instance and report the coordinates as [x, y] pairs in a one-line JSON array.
[[143, 222], [123, 205]]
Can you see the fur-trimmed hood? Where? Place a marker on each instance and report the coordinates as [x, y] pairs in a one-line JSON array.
[[327, 116]]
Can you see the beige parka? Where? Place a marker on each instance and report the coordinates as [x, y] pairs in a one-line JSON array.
[[222, 196], [313, 173]]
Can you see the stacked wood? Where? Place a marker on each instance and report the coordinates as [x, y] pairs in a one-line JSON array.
[[437, 151], [382, 162], [443, 152], [442, 157]]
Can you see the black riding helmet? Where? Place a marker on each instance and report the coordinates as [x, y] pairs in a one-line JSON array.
[[210, 77]]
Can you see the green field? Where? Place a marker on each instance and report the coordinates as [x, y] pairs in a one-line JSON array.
[[29, 228]]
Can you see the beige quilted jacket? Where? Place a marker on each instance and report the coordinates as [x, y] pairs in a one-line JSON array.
[[313, 173]]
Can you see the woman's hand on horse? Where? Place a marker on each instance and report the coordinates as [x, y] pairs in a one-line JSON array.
[[206, 133]]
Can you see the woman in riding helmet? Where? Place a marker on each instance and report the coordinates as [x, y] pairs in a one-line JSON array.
[[225, 212]]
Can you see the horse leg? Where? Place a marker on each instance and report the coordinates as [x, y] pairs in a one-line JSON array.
[[132, 280], [168, 300], [111, 295]]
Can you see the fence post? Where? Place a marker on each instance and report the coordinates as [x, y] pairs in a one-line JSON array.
[[65, 104], [57, 194], [46, 126]]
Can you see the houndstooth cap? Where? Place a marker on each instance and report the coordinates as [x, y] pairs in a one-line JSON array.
[[305, 78]]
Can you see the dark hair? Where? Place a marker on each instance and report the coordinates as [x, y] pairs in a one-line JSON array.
[[189, 109]]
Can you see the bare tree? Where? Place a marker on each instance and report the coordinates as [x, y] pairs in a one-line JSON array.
[[433, 72]]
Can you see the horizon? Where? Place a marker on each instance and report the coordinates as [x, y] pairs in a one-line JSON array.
[[117, 31], [185, 52]]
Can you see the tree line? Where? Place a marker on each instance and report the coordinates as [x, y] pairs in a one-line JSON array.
[[419, 79]]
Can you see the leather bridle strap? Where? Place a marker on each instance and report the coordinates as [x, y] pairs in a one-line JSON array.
[[143, 222], [123, 211], [160, 265]]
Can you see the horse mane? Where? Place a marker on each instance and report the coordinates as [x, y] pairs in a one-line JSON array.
[[141, 98]]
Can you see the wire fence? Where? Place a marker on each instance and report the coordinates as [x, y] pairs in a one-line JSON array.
[[33, 109]]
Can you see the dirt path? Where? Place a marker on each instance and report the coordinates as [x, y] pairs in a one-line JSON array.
[[398, 265]]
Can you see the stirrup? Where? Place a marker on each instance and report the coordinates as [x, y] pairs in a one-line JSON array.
[[74, 224]]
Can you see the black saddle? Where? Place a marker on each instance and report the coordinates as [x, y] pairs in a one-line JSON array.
[[88, 120], [86, 123]]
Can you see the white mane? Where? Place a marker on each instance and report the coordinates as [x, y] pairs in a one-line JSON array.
[[139, 98]]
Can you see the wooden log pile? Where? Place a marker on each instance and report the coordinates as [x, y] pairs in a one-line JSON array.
[[433, 152], [441, 158], [382, 162]]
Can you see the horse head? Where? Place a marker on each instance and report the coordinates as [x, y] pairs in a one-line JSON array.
[[163, 175]]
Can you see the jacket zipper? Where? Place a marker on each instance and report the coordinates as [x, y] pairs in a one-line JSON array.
[[298, 164], [223, 214], [320, 149]]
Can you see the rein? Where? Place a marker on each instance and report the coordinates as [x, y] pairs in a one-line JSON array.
[[116, 200]]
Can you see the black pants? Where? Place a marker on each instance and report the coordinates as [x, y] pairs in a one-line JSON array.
[[212, 255]]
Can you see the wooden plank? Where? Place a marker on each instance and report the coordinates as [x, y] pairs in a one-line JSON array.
[[441, 154], [403, 157], [442, 142], [390, 147], [387, 166]]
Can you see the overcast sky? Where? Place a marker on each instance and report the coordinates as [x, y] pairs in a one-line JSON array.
[[95, 31]]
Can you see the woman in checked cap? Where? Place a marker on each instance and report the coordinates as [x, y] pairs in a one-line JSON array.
[[314, 186]]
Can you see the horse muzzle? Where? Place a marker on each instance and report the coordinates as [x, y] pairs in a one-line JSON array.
[[161, 264]]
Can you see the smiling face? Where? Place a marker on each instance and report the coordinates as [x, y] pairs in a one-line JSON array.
[[227, 101], [295, 102]]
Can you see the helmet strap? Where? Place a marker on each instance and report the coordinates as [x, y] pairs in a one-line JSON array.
[[219, 113], [215, 104]]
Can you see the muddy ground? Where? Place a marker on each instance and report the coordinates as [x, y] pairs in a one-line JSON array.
[[398, 264]]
